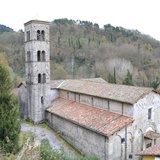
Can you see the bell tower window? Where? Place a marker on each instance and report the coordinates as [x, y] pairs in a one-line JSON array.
[[43, 35], [38, 35], [39, 78], [28, 56], [28, 35], [44, 78], [43, 56], [38, 56]]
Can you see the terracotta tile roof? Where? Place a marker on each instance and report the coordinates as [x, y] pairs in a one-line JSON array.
[[57, 83], [122, 93], [151, 135], [153, 150], [99, 80], [96, 119]]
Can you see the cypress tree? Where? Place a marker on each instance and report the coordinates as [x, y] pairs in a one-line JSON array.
[[9, 114], [128, 80], [112, 79]]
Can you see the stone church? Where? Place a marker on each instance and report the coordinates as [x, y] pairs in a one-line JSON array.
[[111, 121]]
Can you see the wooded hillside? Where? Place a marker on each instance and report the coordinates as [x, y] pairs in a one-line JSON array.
[[80, 49]]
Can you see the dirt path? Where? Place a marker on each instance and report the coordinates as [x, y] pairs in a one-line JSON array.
[[43, 133]]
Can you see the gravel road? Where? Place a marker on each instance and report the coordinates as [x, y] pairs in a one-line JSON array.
[[43, 133]]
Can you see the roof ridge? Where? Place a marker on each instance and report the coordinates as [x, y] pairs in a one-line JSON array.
[[60, 84]]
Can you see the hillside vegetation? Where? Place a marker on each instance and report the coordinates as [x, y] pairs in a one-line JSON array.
[[80, 49]]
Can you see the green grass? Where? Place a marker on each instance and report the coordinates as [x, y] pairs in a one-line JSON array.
[[23, 137], [46, 153]]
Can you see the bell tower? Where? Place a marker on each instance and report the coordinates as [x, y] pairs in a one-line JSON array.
[[37, 61]]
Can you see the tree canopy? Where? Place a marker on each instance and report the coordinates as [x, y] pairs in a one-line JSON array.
[[9, 114], [81, 49]]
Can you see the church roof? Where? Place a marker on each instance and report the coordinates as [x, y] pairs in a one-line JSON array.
[[37, 21], [153, 150], [58, 83], [122, 93], [96, 119]]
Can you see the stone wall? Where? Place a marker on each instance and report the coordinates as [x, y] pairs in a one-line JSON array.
[[142, 121], [54, 94], [87, 141], [23, 107], [110, 105]]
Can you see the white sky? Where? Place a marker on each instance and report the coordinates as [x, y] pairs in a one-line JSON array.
[[143, 15]]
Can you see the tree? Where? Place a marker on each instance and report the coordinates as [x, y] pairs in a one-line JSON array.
[[155, 83], [59, 73], [9, 123], [128, 80], [3, 59], [112, 79]]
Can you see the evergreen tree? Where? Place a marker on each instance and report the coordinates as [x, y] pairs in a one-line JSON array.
[[128, 80], [155, 83], [112, 79], [9, 123]]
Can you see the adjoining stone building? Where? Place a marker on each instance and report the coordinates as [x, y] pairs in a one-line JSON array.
[[151, 153], [111, 121]]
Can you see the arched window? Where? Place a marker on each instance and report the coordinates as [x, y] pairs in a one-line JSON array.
[[28, 56], [39, 78], [43, 35], [38, 35], [43, 56], [38, 56], [28, 35], [44, 78], [29, 77]]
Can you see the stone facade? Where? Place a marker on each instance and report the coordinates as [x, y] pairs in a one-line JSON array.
[[147, 117], [86, 141], [37, 60]]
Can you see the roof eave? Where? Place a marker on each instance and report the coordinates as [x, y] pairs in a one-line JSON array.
[[79, 124]]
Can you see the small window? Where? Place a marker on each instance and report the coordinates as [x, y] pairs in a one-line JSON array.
[[28, 35], [149, 113], [38, 35], [29, 77], [39, 78], [42, 100], [43, 35], [38, 56], [130, 156], [148, 145]]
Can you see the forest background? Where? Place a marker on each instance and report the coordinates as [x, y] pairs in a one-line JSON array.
[[81, 49]]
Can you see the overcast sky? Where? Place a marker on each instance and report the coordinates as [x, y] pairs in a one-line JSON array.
[[143, 15]]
